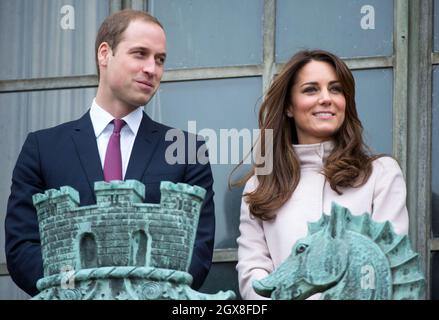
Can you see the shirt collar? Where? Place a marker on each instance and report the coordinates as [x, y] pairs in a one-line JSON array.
[[313, 155], [100, 119]]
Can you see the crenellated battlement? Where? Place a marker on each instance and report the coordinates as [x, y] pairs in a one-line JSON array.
[[53, 201], [183, 188], [53, 194], [119, 230], [121, 192]]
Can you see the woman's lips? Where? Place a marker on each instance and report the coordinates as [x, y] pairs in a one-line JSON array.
[[324, 115]]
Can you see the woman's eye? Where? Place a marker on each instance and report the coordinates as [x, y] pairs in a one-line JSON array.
[[310, 90], [337, 89]]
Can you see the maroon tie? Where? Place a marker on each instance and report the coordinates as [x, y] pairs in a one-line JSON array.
[[113, 157]]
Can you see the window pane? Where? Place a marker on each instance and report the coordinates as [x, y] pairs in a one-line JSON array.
[[222, 276], [374, 97], [436, 25], [435, 276], [210, 33], [47, 38], [213, 104], [22, 113], [9, 291], [435, 154], [349, 28]]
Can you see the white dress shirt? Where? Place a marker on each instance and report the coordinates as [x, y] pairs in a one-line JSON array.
[[103, 129]]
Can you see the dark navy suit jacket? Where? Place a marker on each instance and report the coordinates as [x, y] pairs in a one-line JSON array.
[[68, 155]]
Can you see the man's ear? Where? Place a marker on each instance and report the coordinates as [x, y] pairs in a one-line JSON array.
[[104, 53]]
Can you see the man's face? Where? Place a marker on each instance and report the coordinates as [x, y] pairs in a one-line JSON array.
[[132, 72]]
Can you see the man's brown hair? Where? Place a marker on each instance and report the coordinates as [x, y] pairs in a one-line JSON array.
[[113, 27]]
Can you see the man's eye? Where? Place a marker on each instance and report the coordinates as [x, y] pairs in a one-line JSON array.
[[161, 60]]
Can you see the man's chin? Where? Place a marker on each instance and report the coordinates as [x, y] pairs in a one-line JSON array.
[[141, 101], [145, 99]]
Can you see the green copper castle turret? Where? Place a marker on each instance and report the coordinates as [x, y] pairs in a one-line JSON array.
[[119, 248]]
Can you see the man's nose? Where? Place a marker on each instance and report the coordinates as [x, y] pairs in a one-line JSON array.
[[149, 65]]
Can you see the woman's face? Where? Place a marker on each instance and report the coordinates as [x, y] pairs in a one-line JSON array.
[[317, 104]]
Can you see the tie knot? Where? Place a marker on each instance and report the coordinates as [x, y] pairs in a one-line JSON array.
[[118, 124]]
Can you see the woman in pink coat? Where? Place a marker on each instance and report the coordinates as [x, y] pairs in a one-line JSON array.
[[318, 157]]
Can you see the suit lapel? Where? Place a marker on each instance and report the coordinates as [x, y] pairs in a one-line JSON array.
[[85, 141], [143, 149]]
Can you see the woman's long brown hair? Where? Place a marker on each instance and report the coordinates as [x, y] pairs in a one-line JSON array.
[[348, 165]]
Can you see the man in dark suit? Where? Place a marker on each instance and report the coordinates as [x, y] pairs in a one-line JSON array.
[[130, 56]]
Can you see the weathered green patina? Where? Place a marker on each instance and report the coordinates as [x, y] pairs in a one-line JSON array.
[[120, 248], [347, 257]]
